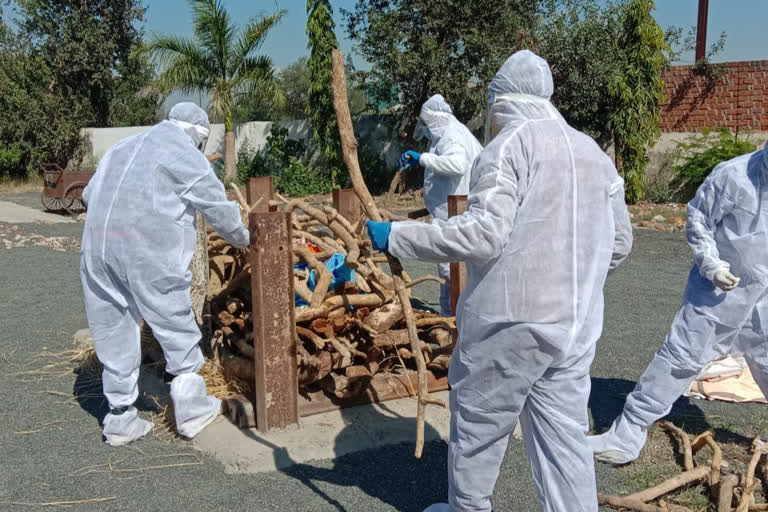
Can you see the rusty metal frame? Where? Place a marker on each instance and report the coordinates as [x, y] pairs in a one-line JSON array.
[[256, 188], [346, 202], [276, 401]]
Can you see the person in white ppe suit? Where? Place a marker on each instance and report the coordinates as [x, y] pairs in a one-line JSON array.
[[546, 223], [447, 164], [725, 305], [137, 245]]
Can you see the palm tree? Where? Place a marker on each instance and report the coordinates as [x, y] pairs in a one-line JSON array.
[[218, 61]]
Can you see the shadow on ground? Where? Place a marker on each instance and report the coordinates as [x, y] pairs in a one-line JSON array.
[[402, 486], [88, 392], [608, 395]]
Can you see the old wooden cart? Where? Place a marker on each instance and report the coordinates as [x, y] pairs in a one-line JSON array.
[[63, 190]]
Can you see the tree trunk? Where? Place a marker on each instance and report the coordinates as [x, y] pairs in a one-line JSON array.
[[229, 156]]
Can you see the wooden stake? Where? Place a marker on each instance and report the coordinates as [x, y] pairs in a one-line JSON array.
[[349, 151]]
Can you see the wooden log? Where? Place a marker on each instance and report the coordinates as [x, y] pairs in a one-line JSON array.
[[380, 388], [349, 152], [671, 484], [707, 439], [383, 318], [685, 443], [625, 503], [324, 276], [440, 363], [318, 341], [396, 179], [392, 338], [750, 482], [724, 493], [353, 249], [438, 335], [305, 314]]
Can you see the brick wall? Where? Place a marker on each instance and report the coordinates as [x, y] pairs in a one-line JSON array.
[[738, 99]]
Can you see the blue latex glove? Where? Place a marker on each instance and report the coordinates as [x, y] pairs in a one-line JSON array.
[[379, 234], [410, 158]]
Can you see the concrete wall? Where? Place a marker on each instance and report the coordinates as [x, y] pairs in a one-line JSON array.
[[736, 100], [254, 134], [660, 156], [375, 132]]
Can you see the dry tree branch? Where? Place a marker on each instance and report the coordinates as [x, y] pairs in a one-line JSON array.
[[349, 152]]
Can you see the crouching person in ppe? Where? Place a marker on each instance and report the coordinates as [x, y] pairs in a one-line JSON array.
[[447, 164], [546, 222], [725, 305], [137, 245]]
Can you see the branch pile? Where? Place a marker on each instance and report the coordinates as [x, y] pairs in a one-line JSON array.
[[346, 334], [728, 492]]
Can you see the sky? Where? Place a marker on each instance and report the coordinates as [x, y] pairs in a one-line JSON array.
[[742, 20]]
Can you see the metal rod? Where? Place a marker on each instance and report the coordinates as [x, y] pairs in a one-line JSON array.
[[701, 30]]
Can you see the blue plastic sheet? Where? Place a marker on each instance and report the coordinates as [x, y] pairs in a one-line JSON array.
[[341, 274]]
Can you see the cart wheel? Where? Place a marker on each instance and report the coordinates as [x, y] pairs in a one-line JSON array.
[[73, 199], [50, 203]]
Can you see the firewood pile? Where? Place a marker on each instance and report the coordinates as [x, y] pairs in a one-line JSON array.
[[728, 491], [346, 334]]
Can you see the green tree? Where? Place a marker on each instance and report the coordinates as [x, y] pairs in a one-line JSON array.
[[48, 128], [134, 102], [322, 42], [84, 44], [579, 40], [637, 91], [294, 80], [219, 61], [422, 47]]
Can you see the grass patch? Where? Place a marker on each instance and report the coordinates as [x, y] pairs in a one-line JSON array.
[[31, 184]]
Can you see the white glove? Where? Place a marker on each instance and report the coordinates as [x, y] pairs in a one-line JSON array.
[[726, 281]]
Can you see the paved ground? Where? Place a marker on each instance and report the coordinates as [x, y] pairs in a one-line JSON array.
[[16, 213], [51, 443]]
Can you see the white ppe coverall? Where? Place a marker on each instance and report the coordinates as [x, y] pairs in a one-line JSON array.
[[452, 151], [546, 222], [727, 229], [137, 245]]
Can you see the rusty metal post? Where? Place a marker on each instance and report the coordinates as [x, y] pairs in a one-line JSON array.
[[260, 187], [456, 206], [274, 328], [346, 202], [701, 30]]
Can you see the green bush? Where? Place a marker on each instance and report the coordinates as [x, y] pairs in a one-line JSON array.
[[702, 152], [10, 161], [285, 159], [288, 161], [298, 179]]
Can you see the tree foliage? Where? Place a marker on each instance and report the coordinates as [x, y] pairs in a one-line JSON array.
[[322, 42], [421, 47], [637, 91], [220, 60], [607, 59], [86, 45], [36, 124], [579, 39]]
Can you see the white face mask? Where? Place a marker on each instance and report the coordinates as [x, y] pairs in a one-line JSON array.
[[198, 133], [420, 131]]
